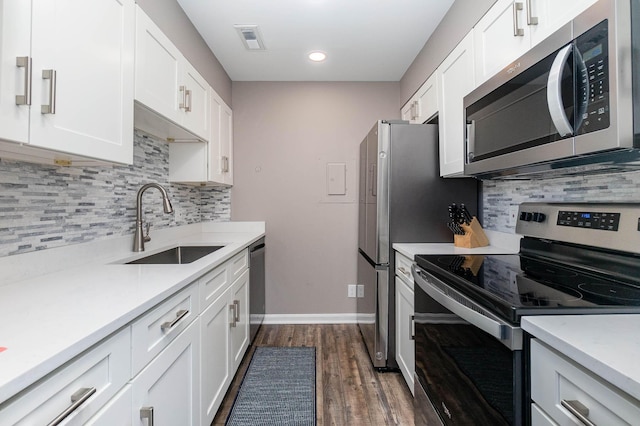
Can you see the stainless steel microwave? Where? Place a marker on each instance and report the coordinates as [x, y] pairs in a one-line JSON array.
[[568, 106]]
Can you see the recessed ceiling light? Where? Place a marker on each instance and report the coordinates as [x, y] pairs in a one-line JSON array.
[[317, 56]]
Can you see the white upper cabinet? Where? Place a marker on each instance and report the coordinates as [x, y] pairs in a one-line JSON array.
[[424, 104], [80, 76], [552, 14], [221, 142], [501, 36], [210, 163], [15, 24], [456, 80], [168, 85], [510, 28]]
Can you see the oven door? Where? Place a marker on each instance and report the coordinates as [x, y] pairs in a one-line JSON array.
[[468, 362]]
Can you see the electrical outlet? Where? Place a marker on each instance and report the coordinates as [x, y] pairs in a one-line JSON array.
[[360, 290], [513, 215], [351, 290]]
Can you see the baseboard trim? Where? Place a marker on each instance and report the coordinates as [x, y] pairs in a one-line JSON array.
[[347, 318]]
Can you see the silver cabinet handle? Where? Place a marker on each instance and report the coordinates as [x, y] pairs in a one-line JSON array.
[[170, 324], [50, 108], [401, 269], [579, 410], [232, 307], [187, 97], [147, 413], [531, 20], [237, 310], [25, 62], [183, 104], [412, 333], [225, 164], [417, 110], [517, 31], [554, 93], [77, 399]]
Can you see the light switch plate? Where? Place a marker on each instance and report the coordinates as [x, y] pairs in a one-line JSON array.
[[513, 215], [351, 290]]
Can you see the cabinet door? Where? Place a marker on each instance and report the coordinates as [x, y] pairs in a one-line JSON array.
[[427, 100], [115, 412], [196, 110], [406, 113], [15, 38], [405, 345], [215, 356], [220, 141], [456, 75], [240, 331], [157, 69], [170, 384], [89, 48], [501, 36], [553, 14]]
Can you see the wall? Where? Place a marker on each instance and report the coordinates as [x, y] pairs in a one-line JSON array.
[[281, 133], [458, 21], [43, 207], [169, 16], [499, 195]]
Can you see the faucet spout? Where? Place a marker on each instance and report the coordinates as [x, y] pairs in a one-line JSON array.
[[138, 238]]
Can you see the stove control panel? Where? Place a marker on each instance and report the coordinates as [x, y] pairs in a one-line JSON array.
[[589, 220], [614, 226]]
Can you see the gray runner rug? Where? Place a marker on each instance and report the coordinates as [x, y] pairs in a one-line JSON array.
[[279, 388]]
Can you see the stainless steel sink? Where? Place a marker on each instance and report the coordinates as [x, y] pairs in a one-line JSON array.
[[177, 255]]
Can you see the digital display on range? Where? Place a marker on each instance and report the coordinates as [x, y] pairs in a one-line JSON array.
[[589, 220]]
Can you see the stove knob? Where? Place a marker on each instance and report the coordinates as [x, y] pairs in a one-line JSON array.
[[526, 216], [539, 217]]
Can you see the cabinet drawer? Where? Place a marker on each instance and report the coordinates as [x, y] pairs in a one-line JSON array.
[[157, 328], [555, 378], [105, 368], [403, 268], [217, 281], [540, 418]]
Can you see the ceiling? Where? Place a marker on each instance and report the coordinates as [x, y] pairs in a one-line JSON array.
[[365, 40]]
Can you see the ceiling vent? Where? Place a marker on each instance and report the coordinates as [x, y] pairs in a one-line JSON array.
[[250, 36]]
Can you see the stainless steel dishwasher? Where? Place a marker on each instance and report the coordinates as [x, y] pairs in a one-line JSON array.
[[256, 286]]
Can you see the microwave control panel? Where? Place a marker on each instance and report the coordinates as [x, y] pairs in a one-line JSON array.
[[592, 79]]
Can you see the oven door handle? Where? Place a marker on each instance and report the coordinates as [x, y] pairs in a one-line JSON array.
[[468, 310]]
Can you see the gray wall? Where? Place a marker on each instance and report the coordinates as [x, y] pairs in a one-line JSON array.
[[169, 16], [43, 207], [283, 134], [460, 18]]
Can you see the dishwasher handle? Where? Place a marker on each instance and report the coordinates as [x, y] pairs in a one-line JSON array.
[[468, 310]]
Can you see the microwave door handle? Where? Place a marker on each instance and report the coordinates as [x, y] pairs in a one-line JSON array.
[[554, 93]]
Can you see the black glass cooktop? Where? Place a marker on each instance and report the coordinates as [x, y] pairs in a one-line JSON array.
[[516, 285]]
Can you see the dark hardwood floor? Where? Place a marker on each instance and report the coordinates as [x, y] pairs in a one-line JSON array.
[[348, 389]]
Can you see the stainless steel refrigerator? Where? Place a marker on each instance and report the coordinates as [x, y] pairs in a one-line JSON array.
[[402, 199]]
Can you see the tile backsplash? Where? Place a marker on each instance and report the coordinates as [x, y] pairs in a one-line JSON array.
[[47, 206], [498, 196]]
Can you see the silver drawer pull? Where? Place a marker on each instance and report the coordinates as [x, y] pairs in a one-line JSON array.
[[579, 410], [25, 62], [237, 310], [169, 324], [50, 108], [77, 399], [233, 315], [404, 271], [147, 413]]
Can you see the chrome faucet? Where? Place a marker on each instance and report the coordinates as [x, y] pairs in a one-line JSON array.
[[139, 238]]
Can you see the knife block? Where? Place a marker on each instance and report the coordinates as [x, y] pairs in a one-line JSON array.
[[473, 236]]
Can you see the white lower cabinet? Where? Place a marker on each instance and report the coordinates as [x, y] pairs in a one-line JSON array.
[[78, 389], [170, 366], [166, 392], [562, 392], [224, 333], [405, 345]]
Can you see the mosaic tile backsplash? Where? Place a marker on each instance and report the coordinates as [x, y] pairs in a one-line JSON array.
[[43, 206], [498, 196]]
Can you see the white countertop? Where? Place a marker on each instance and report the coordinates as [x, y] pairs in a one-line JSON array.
[[500, 243], [608, 345], [50, 318]]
